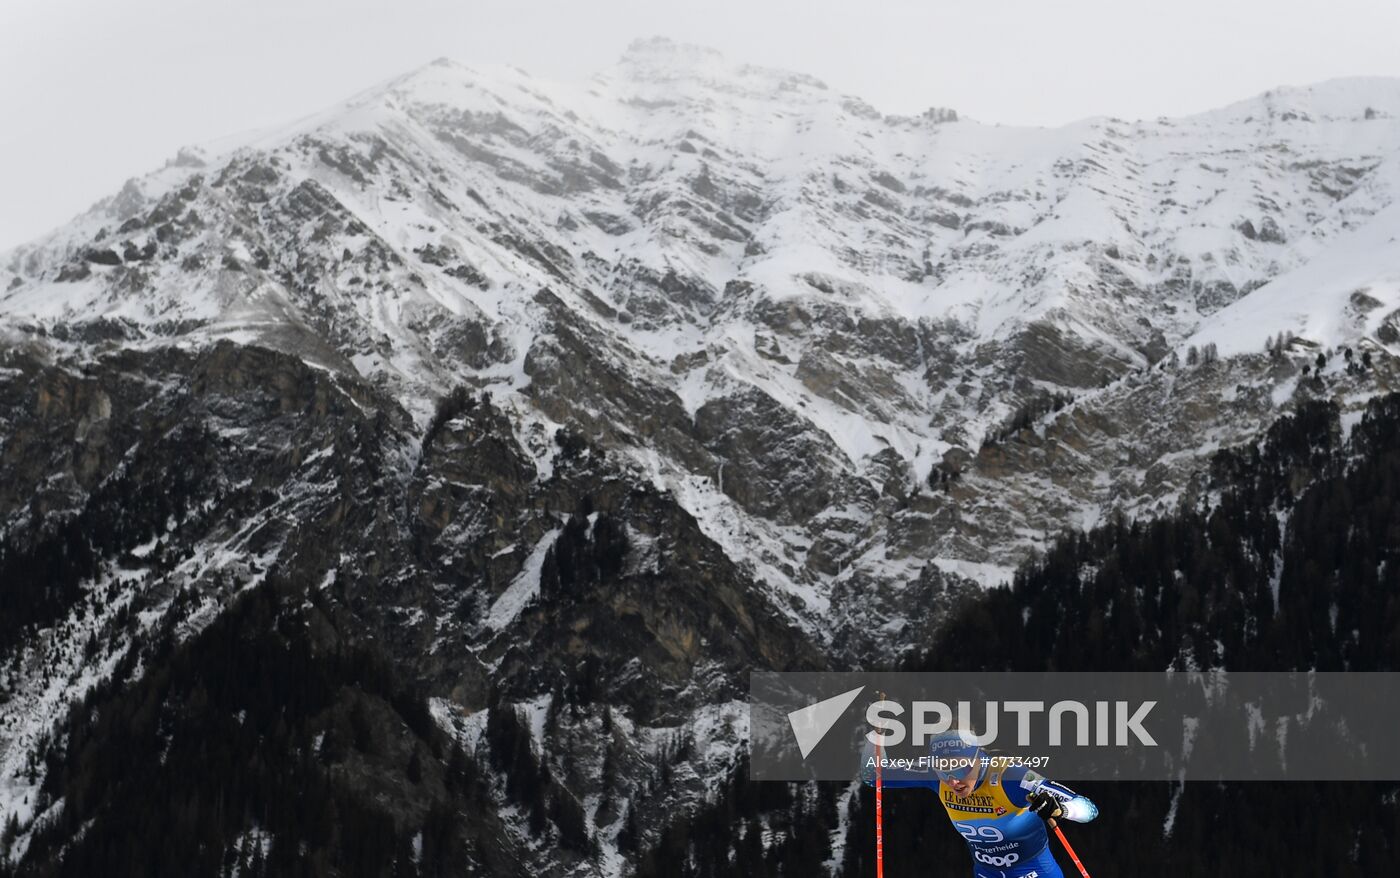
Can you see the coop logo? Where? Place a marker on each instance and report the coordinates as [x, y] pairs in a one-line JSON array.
[[993, 860]]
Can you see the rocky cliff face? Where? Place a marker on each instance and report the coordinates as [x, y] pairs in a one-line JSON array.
[[605, 393]]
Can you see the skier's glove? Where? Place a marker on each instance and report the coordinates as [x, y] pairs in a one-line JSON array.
[[1046, 807]]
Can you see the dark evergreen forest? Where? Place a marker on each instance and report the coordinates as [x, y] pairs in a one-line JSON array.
[[42, 571], [1317, 515], [263, 747], [270, 745]]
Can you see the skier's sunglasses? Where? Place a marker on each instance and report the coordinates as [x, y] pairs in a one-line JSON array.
[[966, 774]]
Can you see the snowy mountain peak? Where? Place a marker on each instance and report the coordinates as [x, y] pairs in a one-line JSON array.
[[1347, 99], [660, 51], [774, 302], [661, 60]]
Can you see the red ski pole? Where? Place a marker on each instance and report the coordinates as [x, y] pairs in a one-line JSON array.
[[879, 817], [1064, 841], [879, 810]]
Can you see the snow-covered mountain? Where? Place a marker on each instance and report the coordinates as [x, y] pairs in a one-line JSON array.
[[816, 368]]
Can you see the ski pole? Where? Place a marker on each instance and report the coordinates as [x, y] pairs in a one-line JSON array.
[[879, 816], [1064, 841], [879, 810]]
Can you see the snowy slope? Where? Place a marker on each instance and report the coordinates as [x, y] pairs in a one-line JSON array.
[[1345, 293]]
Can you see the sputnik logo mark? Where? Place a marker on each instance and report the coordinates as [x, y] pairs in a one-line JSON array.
[[810, 724]]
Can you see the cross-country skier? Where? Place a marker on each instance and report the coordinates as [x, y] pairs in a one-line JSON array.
[[1001, 812]]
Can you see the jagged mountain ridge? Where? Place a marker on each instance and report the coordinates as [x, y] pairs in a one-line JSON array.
[[734, 239], [710, 221], [811, 363]]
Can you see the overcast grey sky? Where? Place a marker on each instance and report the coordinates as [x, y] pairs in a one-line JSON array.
[[96, 91]]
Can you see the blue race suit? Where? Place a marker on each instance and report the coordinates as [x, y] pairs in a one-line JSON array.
[[1006, 839]]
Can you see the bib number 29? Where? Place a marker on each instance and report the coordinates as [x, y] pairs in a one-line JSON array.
[[979, 833]]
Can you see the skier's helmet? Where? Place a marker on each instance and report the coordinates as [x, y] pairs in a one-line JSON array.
[[954, 755]]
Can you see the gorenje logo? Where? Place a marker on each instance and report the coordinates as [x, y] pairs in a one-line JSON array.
[[810, 724]]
